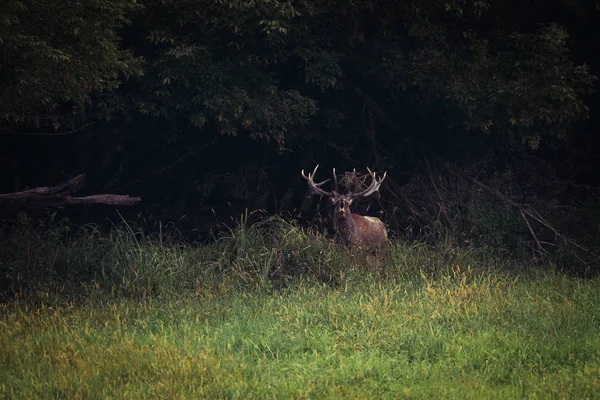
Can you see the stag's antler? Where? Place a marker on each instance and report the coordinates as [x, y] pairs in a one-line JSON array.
[[372, 188], [316, 187]]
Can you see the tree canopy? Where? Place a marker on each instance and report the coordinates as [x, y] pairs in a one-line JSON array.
[[262, 67], [58, 55]]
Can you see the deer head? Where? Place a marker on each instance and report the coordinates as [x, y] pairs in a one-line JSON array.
[[352, 229]]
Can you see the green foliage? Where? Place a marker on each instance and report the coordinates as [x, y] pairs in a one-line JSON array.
[[126, 262], [525, 92], [55, 55], [521, 87], [252, 67], [216, 63], [256, 252], [322, 68]]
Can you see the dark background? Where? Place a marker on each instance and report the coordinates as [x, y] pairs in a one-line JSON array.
[[206, 109]]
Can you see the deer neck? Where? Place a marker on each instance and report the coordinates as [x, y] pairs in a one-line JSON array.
[[344, 224]]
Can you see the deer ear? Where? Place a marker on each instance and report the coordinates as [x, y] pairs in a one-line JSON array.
[[349, 201], [332, 200]]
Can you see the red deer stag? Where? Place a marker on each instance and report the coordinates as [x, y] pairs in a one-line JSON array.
[[352, 229]]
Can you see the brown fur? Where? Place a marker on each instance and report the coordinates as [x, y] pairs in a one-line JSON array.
[[357, 230], [352, 229]]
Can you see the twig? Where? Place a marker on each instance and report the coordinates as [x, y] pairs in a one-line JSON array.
[[526, 210], [51, 134], [168, 167], [536, 216], [442, 203], [535, 238], [485, 187]]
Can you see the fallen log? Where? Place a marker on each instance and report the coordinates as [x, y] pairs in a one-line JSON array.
[[59, 196]]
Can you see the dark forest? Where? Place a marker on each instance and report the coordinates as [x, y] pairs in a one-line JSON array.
[[165, 231], [482, 113]]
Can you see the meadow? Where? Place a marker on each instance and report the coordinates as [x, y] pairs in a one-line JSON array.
[[273, 310]]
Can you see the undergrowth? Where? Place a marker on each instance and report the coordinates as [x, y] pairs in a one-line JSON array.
[[274, 310], [265, 252]]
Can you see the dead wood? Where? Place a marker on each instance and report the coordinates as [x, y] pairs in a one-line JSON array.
[[59, 196], [528, 213]]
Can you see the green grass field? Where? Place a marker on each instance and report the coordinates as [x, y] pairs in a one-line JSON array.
[[273, 311]]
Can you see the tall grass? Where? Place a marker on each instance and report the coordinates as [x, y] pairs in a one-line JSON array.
[[275, 310], [262, 252]]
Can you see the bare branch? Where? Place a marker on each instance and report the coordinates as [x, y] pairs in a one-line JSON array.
[[540, 249], [59, 196], [526, 211], [51, 134], [168, 167], [442, 203]]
